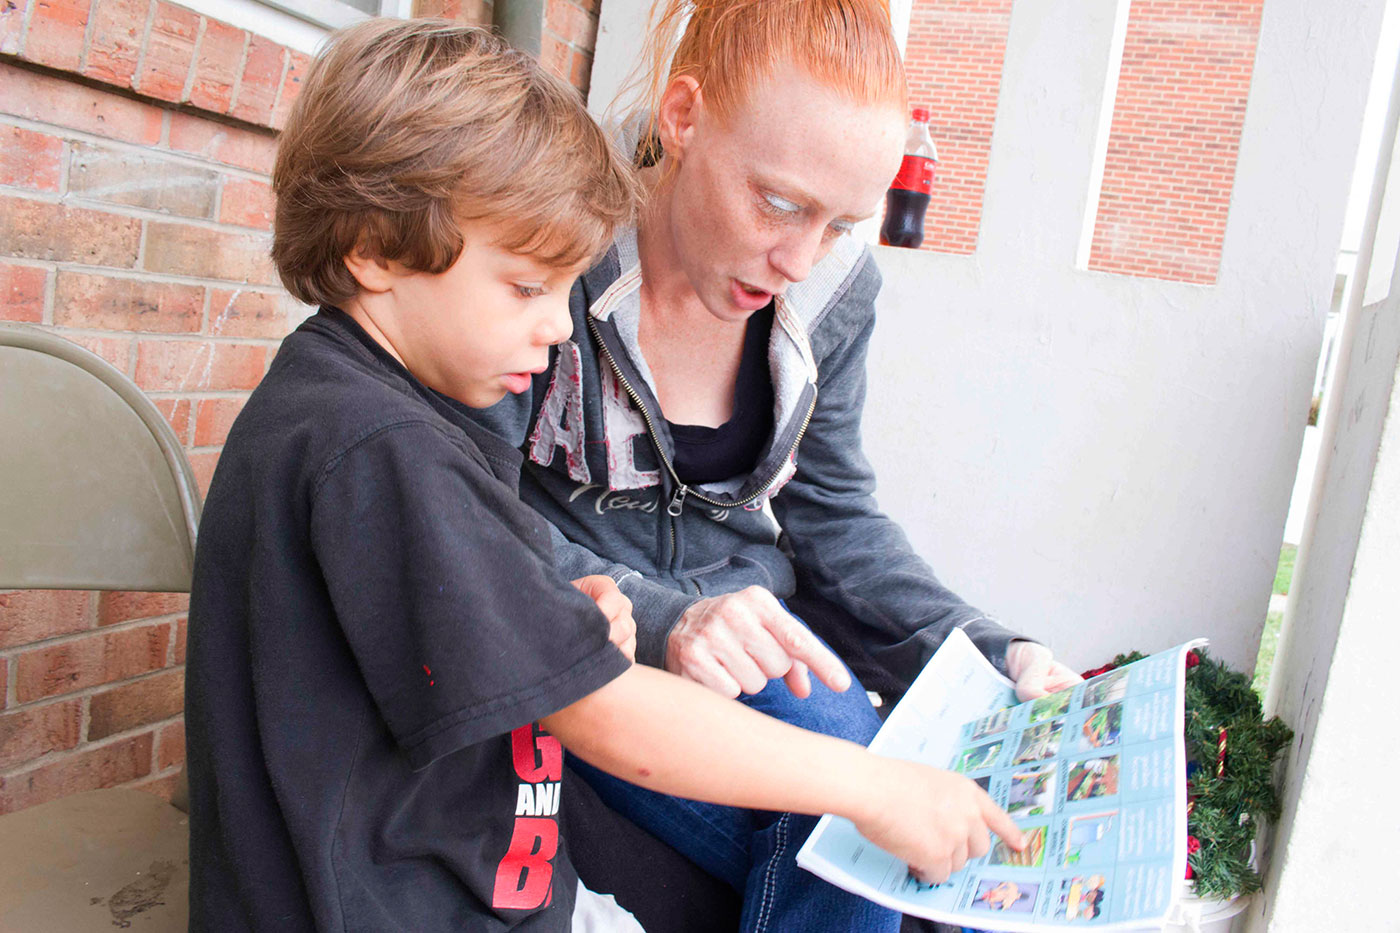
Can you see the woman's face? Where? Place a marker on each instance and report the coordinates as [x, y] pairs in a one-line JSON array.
[[759, 200]]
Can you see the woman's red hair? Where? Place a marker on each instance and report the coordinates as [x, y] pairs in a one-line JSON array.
[[728, 46]]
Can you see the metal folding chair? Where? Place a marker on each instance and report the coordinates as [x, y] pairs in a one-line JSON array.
[[95, 493]]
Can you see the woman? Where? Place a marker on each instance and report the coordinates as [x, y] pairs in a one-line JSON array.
[[717, 365]]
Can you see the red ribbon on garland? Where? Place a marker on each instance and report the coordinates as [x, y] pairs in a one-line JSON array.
[[1220, 754]]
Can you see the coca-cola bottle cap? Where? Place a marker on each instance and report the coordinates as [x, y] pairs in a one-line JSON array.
[[921, 114]]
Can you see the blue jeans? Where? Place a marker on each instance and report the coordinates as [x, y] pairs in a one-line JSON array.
[[754, 850]]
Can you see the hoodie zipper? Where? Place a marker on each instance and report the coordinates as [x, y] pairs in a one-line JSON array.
[[677, 503]]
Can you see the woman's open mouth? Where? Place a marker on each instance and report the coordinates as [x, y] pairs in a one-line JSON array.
[[747, 297]]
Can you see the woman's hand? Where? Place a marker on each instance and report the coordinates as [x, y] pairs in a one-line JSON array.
[[737, 642], [622, 628], [1036, 671]]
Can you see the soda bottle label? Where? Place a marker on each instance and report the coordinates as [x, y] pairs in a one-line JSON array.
[[915, 174]]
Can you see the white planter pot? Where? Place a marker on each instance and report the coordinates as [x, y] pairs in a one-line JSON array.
[[1203, 915]]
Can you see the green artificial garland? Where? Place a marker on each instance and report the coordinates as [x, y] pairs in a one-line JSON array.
[[1230, 753]]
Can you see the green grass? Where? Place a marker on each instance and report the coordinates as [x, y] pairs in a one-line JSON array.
[[1268, 647], [1283, 576], [1268, 644]]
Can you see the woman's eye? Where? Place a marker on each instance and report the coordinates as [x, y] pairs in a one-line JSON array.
[[782, 204], [529, 291]]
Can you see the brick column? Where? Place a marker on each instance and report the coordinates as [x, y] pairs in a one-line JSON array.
[[1170, 167]]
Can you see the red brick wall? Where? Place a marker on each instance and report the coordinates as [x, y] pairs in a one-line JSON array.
[[953, 58], [569, 37], [136, 140], [477, 12], [1175, 137]]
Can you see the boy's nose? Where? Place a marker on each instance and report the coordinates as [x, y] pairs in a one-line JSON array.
[[557, 325]]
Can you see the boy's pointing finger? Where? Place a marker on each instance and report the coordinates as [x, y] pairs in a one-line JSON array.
[[1000, 823]]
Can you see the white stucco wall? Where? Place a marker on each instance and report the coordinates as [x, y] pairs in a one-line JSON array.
[[1343, 638], [1101, 460], [621, 26]]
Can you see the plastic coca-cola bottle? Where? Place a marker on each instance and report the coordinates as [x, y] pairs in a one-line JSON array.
[[907, 199]]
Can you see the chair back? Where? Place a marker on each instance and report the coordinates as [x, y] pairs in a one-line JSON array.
[[95, 489]]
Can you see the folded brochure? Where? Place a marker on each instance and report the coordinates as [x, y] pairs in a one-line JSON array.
[[1094, 776]]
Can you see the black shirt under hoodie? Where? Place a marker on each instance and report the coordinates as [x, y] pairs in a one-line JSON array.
[[710, 455], [375, 627]]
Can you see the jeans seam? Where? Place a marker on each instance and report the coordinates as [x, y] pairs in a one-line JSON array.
[[779, 851]]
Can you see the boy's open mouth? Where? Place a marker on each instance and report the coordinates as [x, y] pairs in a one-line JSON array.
[[518, 382]]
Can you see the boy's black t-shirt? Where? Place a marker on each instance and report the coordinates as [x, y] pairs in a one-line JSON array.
[[375, 626]]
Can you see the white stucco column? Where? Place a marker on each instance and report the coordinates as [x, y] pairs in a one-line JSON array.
[[1338, 825], [1340, 630]]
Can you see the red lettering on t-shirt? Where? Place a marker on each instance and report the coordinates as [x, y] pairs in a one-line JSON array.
[[538, 755], [524, 875]]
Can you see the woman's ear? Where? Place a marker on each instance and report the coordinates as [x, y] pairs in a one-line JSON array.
[[680, 108], [373, 274]]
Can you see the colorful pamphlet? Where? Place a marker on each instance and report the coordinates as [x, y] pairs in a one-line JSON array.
[[1095, 777]]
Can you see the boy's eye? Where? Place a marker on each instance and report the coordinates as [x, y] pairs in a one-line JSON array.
[[529, 291], [838, 228]]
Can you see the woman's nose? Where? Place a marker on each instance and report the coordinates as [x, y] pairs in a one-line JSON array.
[[794, 257]]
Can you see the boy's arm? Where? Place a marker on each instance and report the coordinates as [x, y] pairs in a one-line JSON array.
[[670, 735]]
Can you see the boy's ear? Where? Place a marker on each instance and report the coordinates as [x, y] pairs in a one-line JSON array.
[[373, 273], [680, 108]]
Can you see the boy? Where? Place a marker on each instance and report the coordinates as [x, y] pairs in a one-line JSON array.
[[376, 624]]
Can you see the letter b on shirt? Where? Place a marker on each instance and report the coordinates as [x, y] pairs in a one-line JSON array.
[[523, 877]]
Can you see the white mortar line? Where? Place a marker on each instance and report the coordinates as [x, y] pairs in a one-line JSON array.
[[238, 75], [54, 641], [194, 59], [136, 213], [50, 287], [160, 150], [87, 37], [84, 745], [282, 80], [11, 692], [168, 278], [24, 28], [145, 44]]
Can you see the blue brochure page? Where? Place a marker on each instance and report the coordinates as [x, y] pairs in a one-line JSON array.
[[1095, 776]]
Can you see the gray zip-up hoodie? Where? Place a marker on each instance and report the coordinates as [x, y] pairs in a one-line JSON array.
[[598, 467]]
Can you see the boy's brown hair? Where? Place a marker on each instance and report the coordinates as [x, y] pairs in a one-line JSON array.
[[404, 129]]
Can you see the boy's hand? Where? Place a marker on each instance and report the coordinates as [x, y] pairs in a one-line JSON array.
[[934, 820], [737, 642], [622, 629], [1036, 671]]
